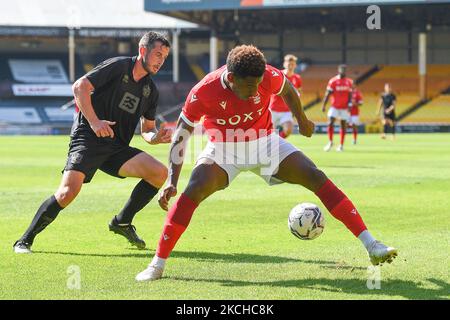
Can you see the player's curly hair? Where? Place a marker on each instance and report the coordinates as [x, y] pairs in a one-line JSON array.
[[246, 61]]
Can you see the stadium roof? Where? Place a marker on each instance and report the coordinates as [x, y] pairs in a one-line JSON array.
[[271, 15], [117, 14], [189, 5]]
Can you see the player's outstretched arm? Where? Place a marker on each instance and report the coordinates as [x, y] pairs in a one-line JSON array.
[[176, 158], [350, 102], [380, 103], [290, 96], [153, 136], [325, 100]]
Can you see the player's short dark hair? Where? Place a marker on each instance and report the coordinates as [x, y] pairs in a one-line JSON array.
[[148, 40], [246, 61]]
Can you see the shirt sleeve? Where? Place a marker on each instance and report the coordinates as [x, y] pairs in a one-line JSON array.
[[331, 85], [105, 72], [150, 113], [360, 97], [299, 86], [192, 110], [277, 80]]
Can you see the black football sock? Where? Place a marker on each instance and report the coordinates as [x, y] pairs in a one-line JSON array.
[[393, 129], [140, 197], [386, 128], [45, 215]]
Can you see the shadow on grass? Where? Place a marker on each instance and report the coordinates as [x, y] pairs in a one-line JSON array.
[[142, 254], [401, 288], [255, 258], [212, 257], [349, 167]]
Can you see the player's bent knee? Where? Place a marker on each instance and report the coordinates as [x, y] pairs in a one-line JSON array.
[[318, 178], [66, 195], [198, 191], [155, 175], [314, 179], [161, 176]]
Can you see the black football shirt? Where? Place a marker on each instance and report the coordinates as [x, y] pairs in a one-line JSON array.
[[388, 100], [118, 97]]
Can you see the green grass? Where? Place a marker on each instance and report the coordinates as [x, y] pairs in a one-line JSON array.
[[238, 245]]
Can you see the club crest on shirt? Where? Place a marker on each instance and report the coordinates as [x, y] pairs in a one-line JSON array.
[[146, 91], [125, 79]]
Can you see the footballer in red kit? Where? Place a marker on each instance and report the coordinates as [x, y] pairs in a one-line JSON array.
[[357, 101], [234, 103], [223, 111], [340, 89], [281, 114]]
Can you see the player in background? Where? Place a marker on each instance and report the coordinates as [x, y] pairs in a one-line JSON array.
[[281, 114], [113, 98], [387, 103], [340, 88], [234, 101], [357, 101]]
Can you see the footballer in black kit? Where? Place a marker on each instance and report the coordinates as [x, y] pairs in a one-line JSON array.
[[119, 99], [113, 98], [387, 104], [388, 100]]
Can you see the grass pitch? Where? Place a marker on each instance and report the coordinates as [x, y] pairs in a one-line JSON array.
[[238, 245]]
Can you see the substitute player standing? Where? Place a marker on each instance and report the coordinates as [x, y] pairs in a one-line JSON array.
[[113, 98], [340, 88], [387, 103], [281, 114], [357, 101], [233, 102]]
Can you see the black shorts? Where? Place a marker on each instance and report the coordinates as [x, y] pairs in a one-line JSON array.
[[389, 116], [89, 153]]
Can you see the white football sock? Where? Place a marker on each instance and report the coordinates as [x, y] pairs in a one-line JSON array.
[[158, 262], [366, 238]]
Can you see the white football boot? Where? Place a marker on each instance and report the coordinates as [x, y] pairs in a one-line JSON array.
[[150, 274], [379, 253], [22, 247], [328, 146], [340, 148]]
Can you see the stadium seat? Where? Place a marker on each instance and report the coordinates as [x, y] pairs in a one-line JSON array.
[[436, 111]]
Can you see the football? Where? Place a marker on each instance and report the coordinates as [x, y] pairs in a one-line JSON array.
[[306, 221]]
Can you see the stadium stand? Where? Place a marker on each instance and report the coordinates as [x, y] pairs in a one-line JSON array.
[[315, 77], [26, 110], [436, 111], [35, 112], [404, 80], [315, 80]]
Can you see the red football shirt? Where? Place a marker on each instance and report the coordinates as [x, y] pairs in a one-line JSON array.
[[357, 99], [277, 103], [340, 88], [227, 118]]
